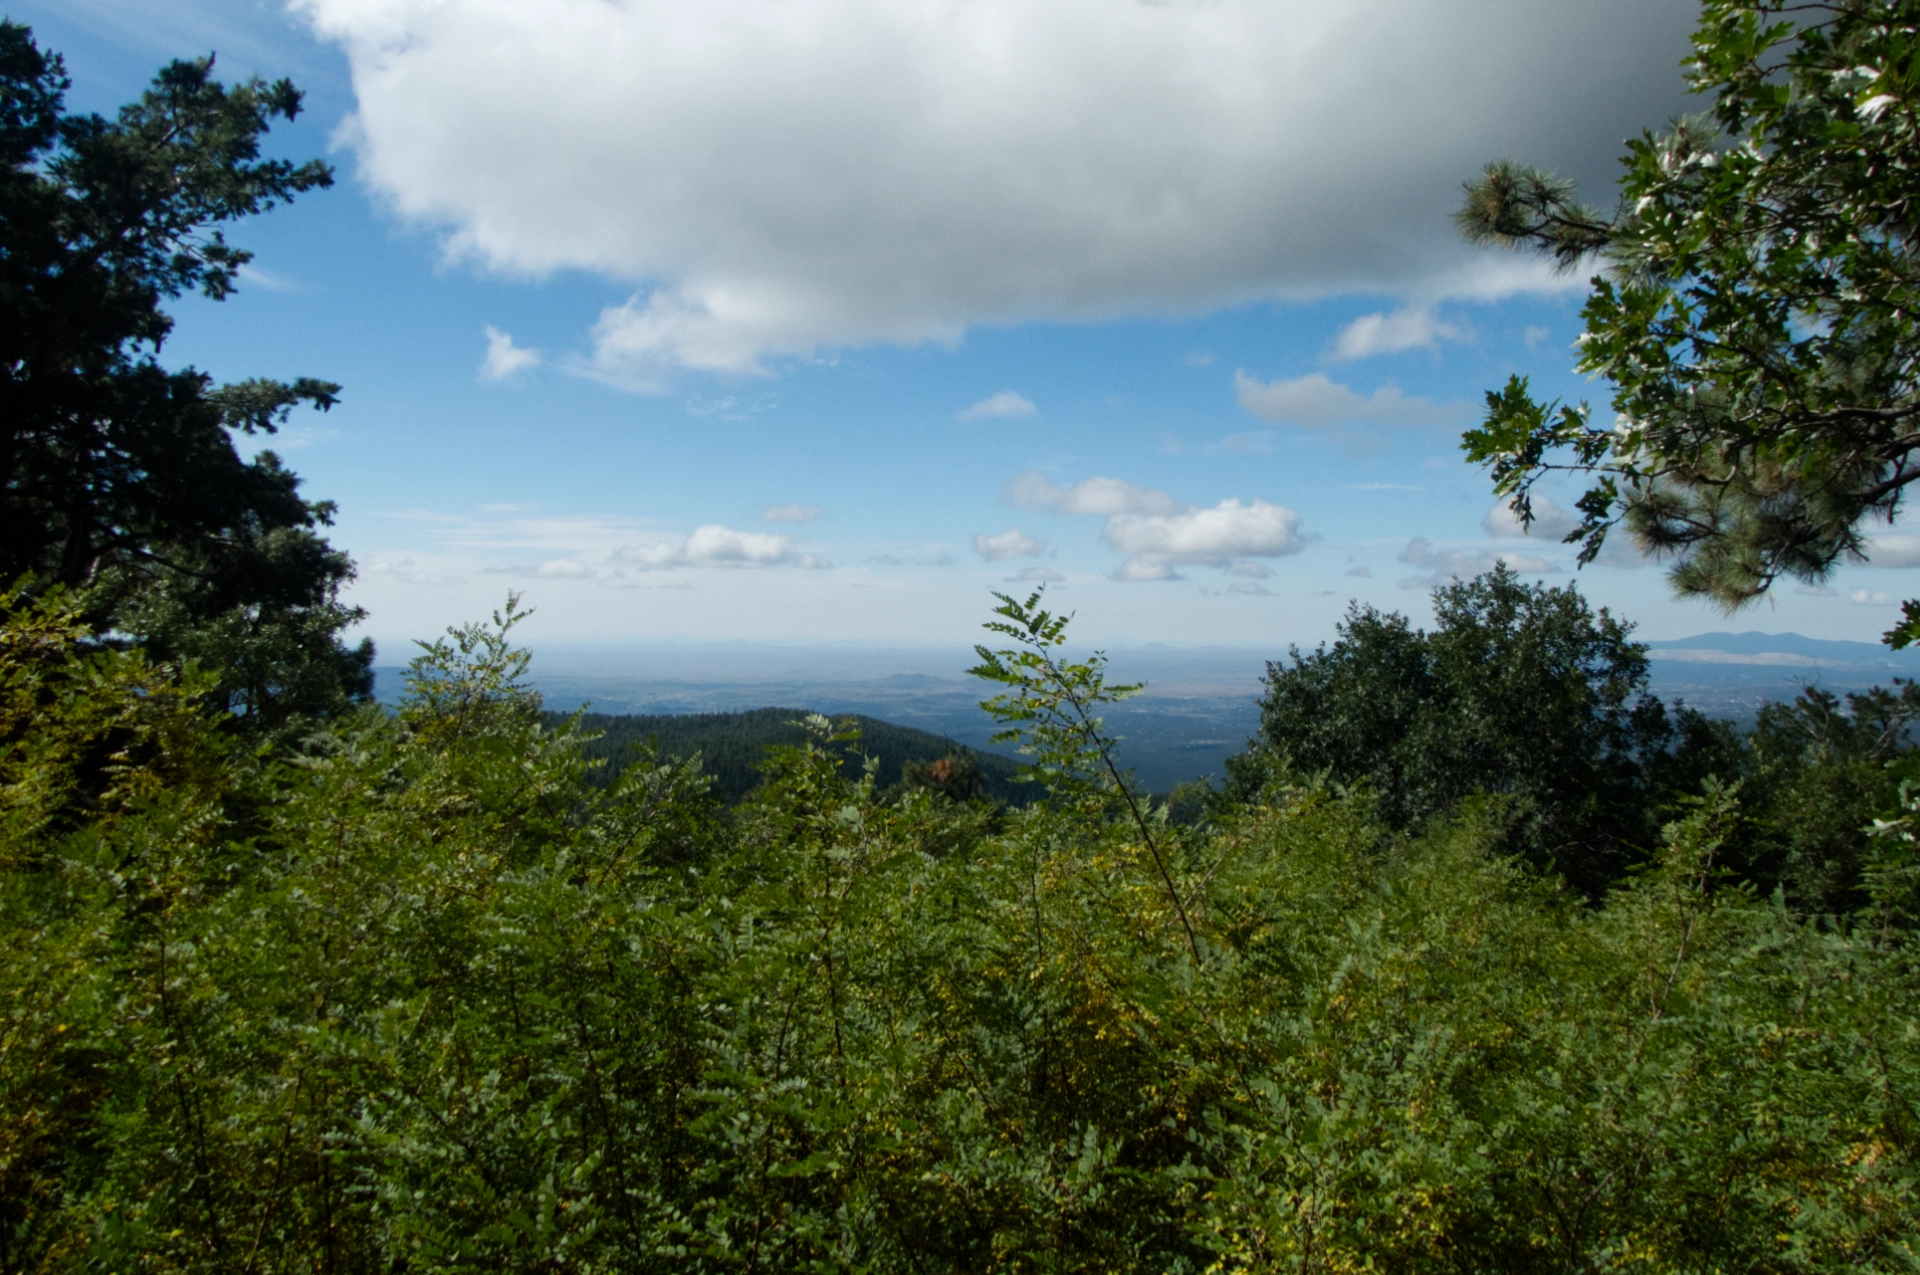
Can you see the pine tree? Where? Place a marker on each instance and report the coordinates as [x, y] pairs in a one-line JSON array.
[[1755, 306], [121, 479]]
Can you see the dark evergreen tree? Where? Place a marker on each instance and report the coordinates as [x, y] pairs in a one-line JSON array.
[[118, 476]]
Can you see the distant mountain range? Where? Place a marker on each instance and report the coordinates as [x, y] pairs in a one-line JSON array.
[[1754, 647], [1734, 673], [1199, 708]]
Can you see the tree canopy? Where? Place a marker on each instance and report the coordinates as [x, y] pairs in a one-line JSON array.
[[120, 475], [1755, 310], [1519, 691]]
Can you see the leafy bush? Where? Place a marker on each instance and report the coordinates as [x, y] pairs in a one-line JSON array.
[[426, 998], [1520, 691]]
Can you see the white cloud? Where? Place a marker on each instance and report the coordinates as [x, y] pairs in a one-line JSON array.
[[1893, 549], [1135, 570], [260, 277], [1011, 543], [565, 569], [1316, 402], [1037, 575], [1198, 359], [1005, 403], [792, 513], [1158, 533], [1104, 497], [1869, 598], [1550, 522], [407, 571], [1361, 573], [1412, 327], [1443, 565], [504, 358], [1202, 537], [717, 546], [1252, 590], [772, 179]]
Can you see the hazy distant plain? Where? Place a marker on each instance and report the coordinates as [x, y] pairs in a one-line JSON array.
[[1199, 706]]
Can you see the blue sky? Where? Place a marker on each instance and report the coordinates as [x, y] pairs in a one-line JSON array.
[[819, 319]]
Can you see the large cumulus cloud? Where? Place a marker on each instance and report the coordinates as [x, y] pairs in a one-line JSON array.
[[771, 176]]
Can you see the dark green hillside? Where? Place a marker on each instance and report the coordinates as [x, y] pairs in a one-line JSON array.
[[733, 745]]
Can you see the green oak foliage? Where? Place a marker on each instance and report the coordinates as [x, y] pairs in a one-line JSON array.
[[1755, 310], [1520, 693], [1814, 775], [426, 998], [117, 475], [1519, 690]]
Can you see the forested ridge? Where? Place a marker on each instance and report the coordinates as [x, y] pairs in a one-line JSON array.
[[732, 747], [1483, 958]]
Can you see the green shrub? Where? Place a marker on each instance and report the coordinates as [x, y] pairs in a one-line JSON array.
[[427, 998]]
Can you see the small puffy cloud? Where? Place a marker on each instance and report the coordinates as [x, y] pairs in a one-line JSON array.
[[1550, 522], [504, 358], [1102, 497], [407, 571], [1005, 403], [717, 546], [1315, 401], [1360, 573], [1158, 533], [1534, 335], [1893, 549], [1037, 575], [1251, 590], [1257, 570], [1553, 524], [564, 569], [792, 513], [1411, 327], [1134, 570], [1011, 543], [1443, 565], [1202, 537], [1870, 598], [1198, 358]]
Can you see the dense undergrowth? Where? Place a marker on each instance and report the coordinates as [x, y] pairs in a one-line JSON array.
[[421, 996]]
